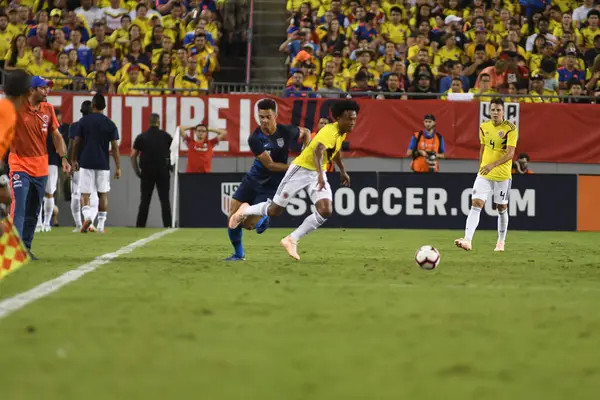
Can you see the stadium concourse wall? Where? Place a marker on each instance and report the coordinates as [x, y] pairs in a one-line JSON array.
[[560, 138]]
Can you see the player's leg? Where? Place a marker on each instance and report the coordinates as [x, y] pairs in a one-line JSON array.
[[37, 188], [39, 227], [323, 210], [19, 185], [94, 204], [163, 185], [76, 201], [147, 182], [243, 195], [296, 179], [481, 191], [49, 196], [103, 184], [501, 192], [259, 223], [87, 185]]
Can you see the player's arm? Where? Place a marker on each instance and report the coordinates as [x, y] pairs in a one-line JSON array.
[[134, 163], [134, 156], [61, 149], [304, 136], [114, 146], [344, 177], [266, 160], [221, 134]]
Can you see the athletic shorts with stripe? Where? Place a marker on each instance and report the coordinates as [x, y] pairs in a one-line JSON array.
[[298, 178], [483, 187]]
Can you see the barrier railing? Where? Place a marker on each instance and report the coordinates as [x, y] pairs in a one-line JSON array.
[[81, 85]]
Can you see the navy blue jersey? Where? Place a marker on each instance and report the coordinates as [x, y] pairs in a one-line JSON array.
[[53, 157], [96, 132], [278, 147]]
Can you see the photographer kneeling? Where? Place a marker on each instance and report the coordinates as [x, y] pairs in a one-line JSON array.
[[426, 147]]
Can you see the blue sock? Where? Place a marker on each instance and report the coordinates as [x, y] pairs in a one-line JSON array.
[[235, 236]]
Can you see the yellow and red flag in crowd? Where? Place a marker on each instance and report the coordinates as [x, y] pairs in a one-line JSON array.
[[13, 253]]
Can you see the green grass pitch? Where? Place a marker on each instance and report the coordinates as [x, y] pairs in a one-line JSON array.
[[354, 319]]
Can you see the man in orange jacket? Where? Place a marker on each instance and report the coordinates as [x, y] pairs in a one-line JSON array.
[[426, 147]]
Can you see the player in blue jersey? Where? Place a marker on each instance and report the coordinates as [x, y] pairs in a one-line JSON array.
[[270, 144]]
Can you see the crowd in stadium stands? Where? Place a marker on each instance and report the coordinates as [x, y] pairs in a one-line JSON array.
[[485, 47], [115, 46]]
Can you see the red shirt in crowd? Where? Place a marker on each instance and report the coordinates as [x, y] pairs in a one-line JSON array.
[[200, 154]]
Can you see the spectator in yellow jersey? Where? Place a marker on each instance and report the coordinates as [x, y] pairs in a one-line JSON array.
[[395, 31], [173, 24], [61, 77], [156, 86], [120, 36], [537, 90], [101, 84], [99, 38], [455, 87], [102, 64], [39, 66], [5, 38], [485, 88], [591, 30], [154, 43], [206, 62], [195, 83], [141, 19], [132, 86], [13, 24], [19, 56]]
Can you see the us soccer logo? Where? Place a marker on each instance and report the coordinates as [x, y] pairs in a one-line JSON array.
[[227, 190], [280, 142]]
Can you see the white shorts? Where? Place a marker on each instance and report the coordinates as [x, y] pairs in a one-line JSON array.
[[52, 181], [483, 187], [298, 178], [94, 180]]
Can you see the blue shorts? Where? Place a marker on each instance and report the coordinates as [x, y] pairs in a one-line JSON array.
[[252, 192]]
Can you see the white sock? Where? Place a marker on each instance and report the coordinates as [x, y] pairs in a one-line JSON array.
[[87, 212], [76, 209], [94, 206], [502, 225], [101, 220], [472, 222], [48, 210], [258, 209], [39, 222], [311, 223]]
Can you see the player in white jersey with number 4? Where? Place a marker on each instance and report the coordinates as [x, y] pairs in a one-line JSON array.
[[498, 138]]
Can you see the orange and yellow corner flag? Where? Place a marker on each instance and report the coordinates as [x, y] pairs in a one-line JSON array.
[[13, 253]]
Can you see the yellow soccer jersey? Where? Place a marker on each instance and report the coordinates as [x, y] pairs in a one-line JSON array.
[[331, 138], [496, 139]]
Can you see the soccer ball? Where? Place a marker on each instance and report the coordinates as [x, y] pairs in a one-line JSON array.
[[427, 257]]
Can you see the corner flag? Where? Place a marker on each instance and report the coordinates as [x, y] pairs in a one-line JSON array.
[[13, 254]]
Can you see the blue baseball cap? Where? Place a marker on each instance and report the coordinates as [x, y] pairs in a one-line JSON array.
[[38, 82]]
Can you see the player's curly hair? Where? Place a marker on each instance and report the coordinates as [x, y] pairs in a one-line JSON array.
[[339, 108]]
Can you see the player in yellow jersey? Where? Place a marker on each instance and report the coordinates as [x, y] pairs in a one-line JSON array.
[[498, 138], [307, 171]]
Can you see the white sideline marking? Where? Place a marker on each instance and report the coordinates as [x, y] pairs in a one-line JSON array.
[[15, 303]]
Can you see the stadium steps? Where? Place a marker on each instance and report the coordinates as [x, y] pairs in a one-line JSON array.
[[270, 25]]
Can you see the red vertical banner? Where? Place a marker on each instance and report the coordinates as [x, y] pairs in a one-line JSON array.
[[548, 132]]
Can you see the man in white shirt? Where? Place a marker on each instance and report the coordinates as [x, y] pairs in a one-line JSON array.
[[151, 10], [580, 13], [113, 14], [543, 26], [90, 12]]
